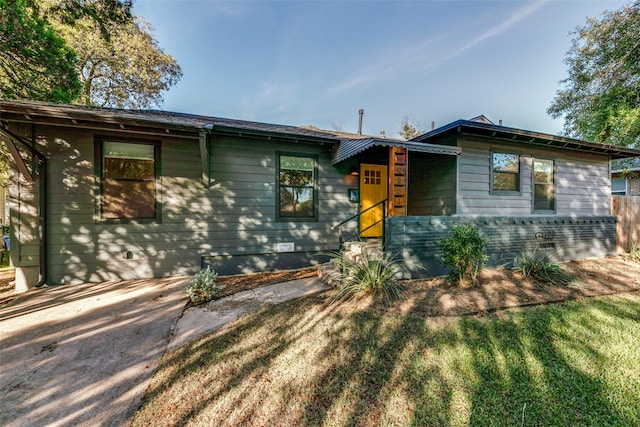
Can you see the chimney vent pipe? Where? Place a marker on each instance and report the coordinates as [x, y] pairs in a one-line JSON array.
[[360, 113]]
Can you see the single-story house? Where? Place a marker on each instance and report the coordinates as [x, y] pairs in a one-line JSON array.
[[105, 194], [625, 178]]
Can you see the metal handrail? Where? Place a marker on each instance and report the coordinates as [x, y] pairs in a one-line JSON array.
[[351, 218], [358, 214]]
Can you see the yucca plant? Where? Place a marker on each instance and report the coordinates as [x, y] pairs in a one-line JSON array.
[[538, 265], [375, 275]]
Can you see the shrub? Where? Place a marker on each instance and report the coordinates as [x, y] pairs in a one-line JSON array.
[[366, 274], [463, 251], [203, 288], [537, 265]]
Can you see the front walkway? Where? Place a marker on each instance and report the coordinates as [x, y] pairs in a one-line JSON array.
[[202, 319], [84, 355]]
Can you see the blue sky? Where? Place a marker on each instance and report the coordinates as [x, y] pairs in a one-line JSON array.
[[319, 62]]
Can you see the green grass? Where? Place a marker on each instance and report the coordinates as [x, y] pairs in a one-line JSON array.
[[310, 363]]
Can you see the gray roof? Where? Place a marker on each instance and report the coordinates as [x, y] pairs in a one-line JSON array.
[[631, 165], [526, 137], [35, 111], [191, 125]]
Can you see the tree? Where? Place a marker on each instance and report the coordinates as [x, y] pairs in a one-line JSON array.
[[35, 63], [120, 63], [410, 128], [600, 100], [93, 52], [102, 12]]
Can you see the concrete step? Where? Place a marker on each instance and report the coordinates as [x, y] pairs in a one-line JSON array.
[[371, 246], [353, 252]]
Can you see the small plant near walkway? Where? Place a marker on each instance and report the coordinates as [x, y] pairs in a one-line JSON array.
[[537, 265], [463, 251], [203, 288], [375, 275]]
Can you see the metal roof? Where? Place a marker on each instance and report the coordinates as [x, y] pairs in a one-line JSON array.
[[631, 165], [350, 147], [527, 137]]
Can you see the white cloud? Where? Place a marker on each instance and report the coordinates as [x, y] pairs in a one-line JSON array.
[[499, 29], [426, 55]]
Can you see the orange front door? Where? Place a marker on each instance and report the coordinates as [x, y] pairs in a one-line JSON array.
[[373, 189]]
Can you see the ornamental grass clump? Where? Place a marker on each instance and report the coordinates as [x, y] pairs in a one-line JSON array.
[[537, 265], [463, 251], [203, 288], [366, 274]]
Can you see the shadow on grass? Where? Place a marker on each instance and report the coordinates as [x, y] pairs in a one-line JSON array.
[[308, 363], [540, 367]]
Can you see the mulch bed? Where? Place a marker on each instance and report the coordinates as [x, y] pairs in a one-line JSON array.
[[503, 289], [243, 282]]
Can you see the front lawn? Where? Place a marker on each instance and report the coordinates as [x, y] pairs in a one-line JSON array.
[[307, 362]]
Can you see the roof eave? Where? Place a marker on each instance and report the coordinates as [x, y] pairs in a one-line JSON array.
[[530, 138], [242, 131], [67, 117]]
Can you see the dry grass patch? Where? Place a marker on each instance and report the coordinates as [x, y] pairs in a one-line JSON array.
[[309, 362]]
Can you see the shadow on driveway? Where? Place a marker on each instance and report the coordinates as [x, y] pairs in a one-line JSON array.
[[84, 354]]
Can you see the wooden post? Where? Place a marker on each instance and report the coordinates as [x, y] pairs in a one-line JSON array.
[[398, 164]]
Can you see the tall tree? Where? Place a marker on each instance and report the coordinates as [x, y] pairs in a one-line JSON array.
[[121, 64], [600, 100], [410, 128], [35, 63], [103, 12]]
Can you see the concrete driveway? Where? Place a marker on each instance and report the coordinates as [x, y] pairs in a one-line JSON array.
[[84, 355]]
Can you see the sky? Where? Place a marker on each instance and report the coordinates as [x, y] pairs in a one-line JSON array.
[[319, 62]]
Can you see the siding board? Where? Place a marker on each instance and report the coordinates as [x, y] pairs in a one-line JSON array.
[[581, 180], [431, 184], [413, 239], [236, 215]]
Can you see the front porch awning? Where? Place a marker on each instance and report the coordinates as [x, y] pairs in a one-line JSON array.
[[350, 147]]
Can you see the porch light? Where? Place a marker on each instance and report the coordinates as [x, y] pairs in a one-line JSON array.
[[353, 171]]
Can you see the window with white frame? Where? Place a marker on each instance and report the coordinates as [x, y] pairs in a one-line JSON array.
[[619, 186]]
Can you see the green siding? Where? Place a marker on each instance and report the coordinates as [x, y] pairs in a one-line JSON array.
[[581, 179], [234, 216], [432, 184]]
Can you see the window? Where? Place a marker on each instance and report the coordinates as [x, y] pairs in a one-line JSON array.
[[296, 187], [128, 180], [619, 186], [544, 198], [506, 172], [372, 177]]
